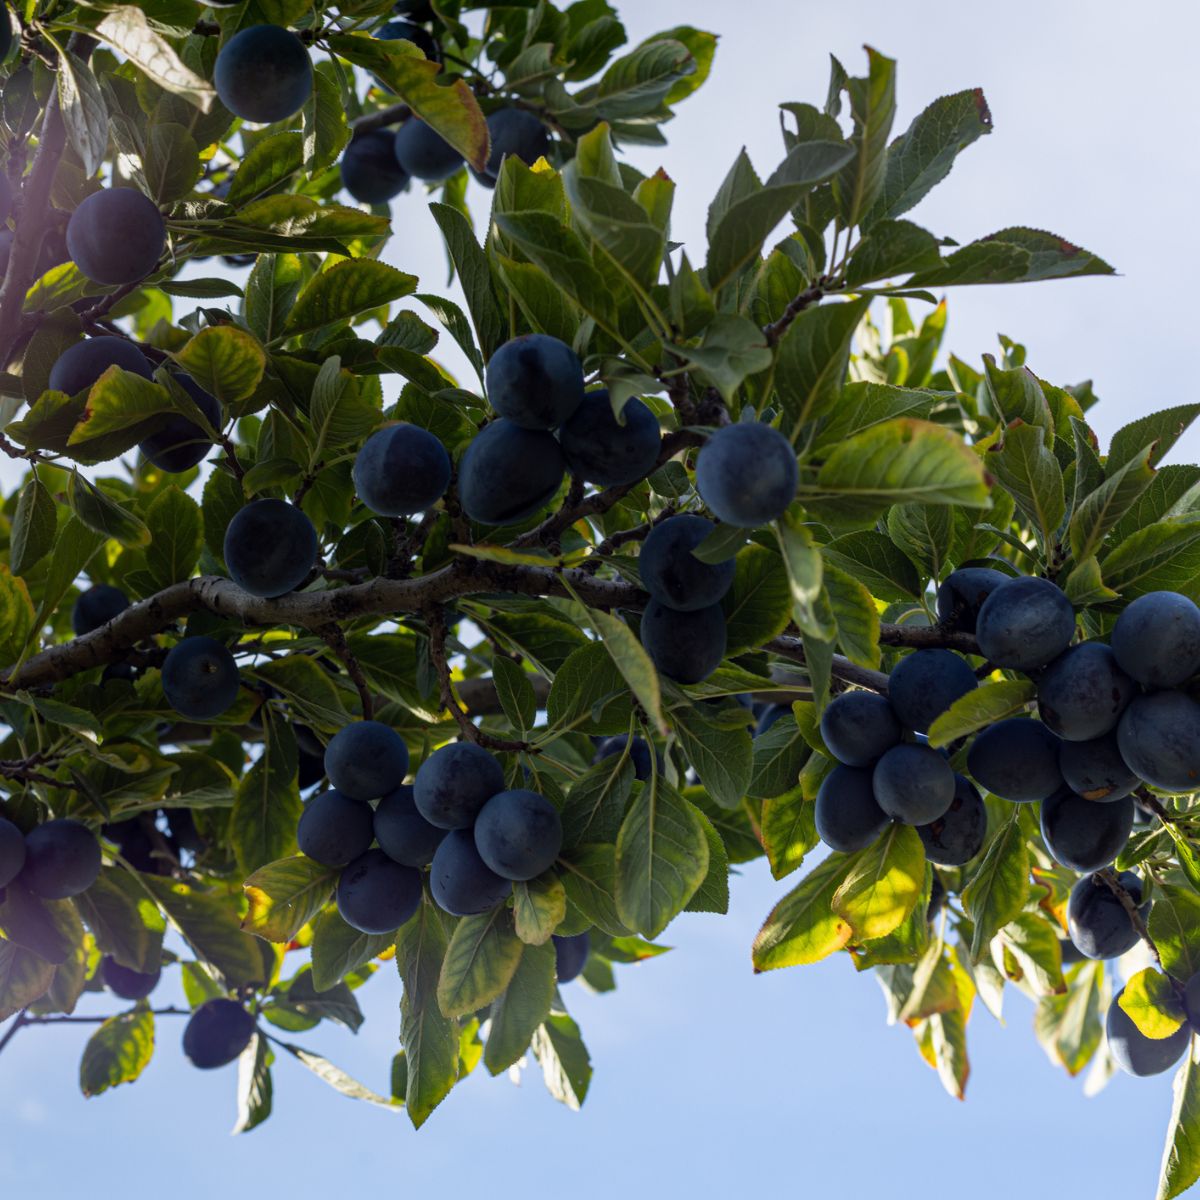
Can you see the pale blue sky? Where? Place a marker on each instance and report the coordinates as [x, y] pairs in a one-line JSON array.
[[710, 1081]]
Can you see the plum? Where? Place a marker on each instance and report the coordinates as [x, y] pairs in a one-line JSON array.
[[370, 172], [62, 859], [859, 727], [366, 760], [1159, 739], [454, 783], [423, 153], [376, 894], [401, 470], [12, 851], [958, 834], [178, 444], [925, 683], [1082, 834], [607, 452], [97, 606], [518, 834], [1016, 759], [1099, 925], [1083, 692], [395, 31], [80, 365], [270, 547], [535, 381], [217, 1033], [768, 716], [686, 647], [1025, 623], [570, 955], [673, 575], [1095, 769], [200, 678], [263, 74], [128, 984], [847, 815], [515, 132], [747, 474], [639, 754], [1137, 1054], [116, 236], [402, 832], [1157, 639], [962, 594], [335, 829], [461, 882], [913, 784], [507, 473]]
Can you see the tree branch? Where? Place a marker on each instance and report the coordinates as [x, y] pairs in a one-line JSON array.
[[843, 668], [1111, 880], [336, 640], [805, 299], [380, 119]]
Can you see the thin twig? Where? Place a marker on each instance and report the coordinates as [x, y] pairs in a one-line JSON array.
[[805, 299], [1111, 880], [335, 638]]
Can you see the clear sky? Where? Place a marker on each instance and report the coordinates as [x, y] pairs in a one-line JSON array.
[[711, 1081]]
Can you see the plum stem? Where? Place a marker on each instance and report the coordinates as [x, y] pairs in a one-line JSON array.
[[1110, 880]]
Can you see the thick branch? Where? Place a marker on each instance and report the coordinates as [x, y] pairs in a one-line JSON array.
[[843, 668]]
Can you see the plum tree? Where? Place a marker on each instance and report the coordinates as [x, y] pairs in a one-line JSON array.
[[608, 452], [454, 783], [859, 727], [402, 832], [116, 236], [961, 596], [178, 444], [462, 884], [518, 834], [516, 132], [1025, 623], [535, 381], [508, 473], [1157, 639], [200, 678], [97, 606], [401, 470], [847, 815], [673, 575], [405, 30], [270, 547], [12, 851], [335, 829], [1082, 834], [263, 74], [913, 784], [1095, 769], [685, 646], [571, 955], [1016, 759], [127, 983], [80, 365], [1083, 692], [217, 1033], [376, 894], [1099, 923], [1137, 1054], [370, 172], [423, 153], [925, 683], [1159, 739], [747, 474], [366, 759], [62, 859], [954, 838], [639, 754]]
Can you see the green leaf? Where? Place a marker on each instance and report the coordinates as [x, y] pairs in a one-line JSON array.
[[119, 402], [33, 527], [176, 538], [24, 978], [596, 803], [788, 828], [255, 1092], [856, 615], [262, 825], [589, 873], [326, 131], [124, 921], [922, 156], [522, 1008], [539, 907], [1103, 508], [877, 562], [1034, 943], [480, 960], [1070, 1025], [873, 107], [722, 757], [172, 163], [636, 84], [1174, 925], [271, 291], [566, 1066], [758, 604], [200, 289], [589, 685], [336, 1078], [118, 1052], [982, 707], [861, 405], [285, 895], [1151, 1003], [343, 291], [515, 691], [84, 112], [1164, 556], [806, 574], [225, 361], [892, 248], [779, 755], [269, 162], [732, 349], [997, 889], [1027, 469], [1016, 255], [633, 662], [803, 927], [1181, 1154], [1163, 429], [474, 276], [104, 515], [309, 690], [127, 30], [883, 885], [338, 949], [712, 896]]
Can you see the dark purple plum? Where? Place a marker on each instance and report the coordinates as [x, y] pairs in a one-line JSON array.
[[1082, 834], [859, 728], [461, 882], [607, 452], [1025, 623], [958, 834], [925, 683], [401, 470], [1157, 639], [747, 474], [116, 236], [217, 1033], [1137, 1054], [12, 851], [263, 74], [178, 444], [1016, 759], [847, 816], [639, 754], [535, 381], [200, 678], [1159, 739], [513, 132], [913, 784], [508, 473], [128, 984], [423, 153], [518, 834], [97, 606], [1083, 692], [370, 172], [686, 647], [270, 547], [961, 596], [1099, 925], [402, 833], [673, 575], [454, 783], [335, 829], [80, 365], [366, 760], [570, 955], [62, 859], [1095, 769], [376, 894]]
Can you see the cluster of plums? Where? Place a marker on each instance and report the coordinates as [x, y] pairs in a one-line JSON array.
[[457, 818], [55, 860]]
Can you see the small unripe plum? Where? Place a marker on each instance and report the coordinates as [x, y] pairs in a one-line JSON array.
[[1083, 692], [1157, 639], [1159, 739], [80, 365], [370, 172], [395, 31], [673, 575], [1025, 623], [200, 678], [263, 74], [62, 859], [423, 153], [454, 783], [518, 834], [913, 784], [570, 955], [1082, 834], [116, 235], [961, 596], [859, 728], [847, 815], [402, 833], [270, 547], [608, 453], [515, 132], [366, 760], [1016, 759], [179, 444], [335, 829], [128, 984], [376, 894], [461, 882], [639, 754], [1099, 925], [401, 470], [925, 683], [12, 851], [747, 474], [535, 380], [97, 606], [507, 473], [217, 1033], [686, 647], [958, 834], [1134, 1052], [1095, 769]]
